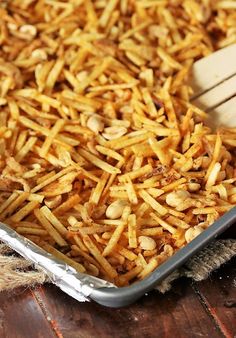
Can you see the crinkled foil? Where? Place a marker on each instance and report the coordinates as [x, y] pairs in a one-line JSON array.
[[75, 284]]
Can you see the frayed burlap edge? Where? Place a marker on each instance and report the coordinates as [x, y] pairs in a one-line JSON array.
[[17, 272], [200, 266]]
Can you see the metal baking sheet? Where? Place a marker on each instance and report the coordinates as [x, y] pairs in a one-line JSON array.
[[77, 285], [84, 287]]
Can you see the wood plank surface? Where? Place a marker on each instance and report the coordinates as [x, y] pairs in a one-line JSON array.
[[190, 310], [22, 317], [218, 294], [177, 313]]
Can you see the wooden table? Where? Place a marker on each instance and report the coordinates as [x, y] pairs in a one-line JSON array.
[[205, 309]]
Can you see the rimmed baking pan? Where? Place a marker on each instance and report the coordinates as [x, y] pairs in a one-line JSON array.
[[84, 287], [117, 297]]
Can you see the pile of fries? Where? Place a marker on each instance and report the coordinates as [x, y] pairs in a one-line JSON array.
[[104, 162]]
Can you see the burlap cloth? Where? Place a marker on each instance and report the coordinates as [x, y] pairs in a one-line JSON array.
[[16, 272]]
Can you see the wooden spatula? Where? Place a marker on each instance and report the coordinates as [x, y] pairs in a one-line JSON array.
[[213, 80]]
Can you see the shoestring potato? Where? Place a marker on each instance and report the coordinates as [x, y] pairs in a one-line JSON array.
[[104, 161]]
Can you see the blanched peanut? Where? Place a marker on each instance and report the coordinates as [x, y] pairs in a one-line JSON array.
[[91, 147], [81, 76], [28, 30], [114, 132], [115, 210], [212, 178], [39, 54], [168, 250], [147, 76], [126, 109], [191, 233], [192, 187], [147, 243], [11, 26], [157, 31], [175, 198], [95, 124]]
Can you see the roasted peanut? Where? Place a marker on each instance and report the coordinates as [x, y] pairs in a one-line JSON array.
[[115, 210], [12, 26], [192, 187], [147, 243], [39, 54], [95, 124], [175, 198], [191, 233], [29, 31], [114, 132]]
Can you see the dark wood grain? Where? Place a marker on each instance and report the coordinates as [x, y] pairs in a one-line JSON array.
[[22, 317], [190, 310], [178, 313], [218, 294]]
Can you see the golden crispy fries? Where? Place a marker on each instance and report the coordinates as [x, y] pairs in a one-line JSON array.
[[96, 229], [109, 152], [99, 258], [101, 151], [8, 202], [23, 212], [124, 141], [177, 222], [131, 191], [168, 59], [136, 173], [84, 254], [132, 232], [160, 151], [31, 231], [174, 185], [25, 149], [124, 279], [113, 240], [95, 73], [48, 141], [98, 163], [164, 224], [49, 228], [80, 243], [53, 220], [50, 249], [148, 268], [126, 253], [52, 179], [14, 205], [67, 205], [97, 192], [152, 202], [155, 231]]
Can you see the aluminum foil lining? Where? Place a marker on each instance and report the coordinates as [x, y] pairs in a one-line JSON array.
[[77, 285]]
